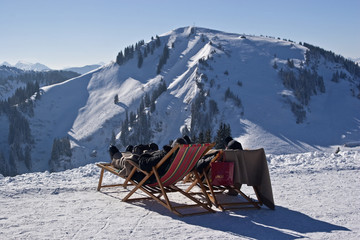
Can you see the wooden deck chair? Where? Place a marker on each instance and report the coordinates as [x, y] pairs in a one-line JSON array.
[[186, 156], [217, 194]]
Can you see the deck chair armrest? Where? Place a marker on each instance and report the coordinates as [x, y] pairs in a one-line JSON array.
[[108, 167], [103, 164]]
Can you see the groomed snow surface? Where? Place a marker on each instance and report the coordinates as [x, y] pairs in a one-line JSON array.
[[317, 196]]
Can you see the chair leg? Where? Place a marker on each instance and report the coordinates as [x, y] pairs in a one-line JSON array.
[[163, 190], [127, 180], [137, 186], [100, 179], [212, 193], [198, 179]]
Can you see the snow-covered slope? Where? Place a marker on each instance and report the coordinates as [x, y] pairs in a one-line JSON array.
[[201, 62], [316, 196]]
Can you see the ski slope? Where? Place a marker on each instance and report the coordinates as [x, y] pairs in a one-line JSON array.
[[316, 196]]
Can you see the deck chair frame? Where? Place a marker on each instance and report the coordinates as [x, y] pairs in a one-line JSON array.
[[212, 191], [184, 161]]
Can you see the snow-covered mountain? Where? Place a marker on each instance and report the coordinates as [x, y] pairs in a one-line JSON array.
[[31, 66], [12, 79], [28, 66], [6, 64], [275, 94]]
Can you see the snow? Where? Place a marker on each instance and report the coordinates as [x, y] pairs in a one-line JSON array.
[[316, 196]]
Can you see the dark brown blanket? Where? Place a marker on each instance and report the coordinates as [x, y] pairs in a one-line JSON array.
[[251, 168]]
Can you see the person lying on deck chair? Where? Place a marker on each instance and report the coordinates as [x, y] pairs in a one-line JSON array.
[[229, 143], [146, 156], [119, 160], [148, 160]]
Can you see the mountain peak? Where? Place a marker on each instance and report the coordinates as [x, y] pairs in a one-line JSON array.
[[24, 65]]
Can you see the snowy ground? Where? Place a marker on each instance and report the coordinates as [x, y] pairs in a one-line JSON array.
[[316, 196]]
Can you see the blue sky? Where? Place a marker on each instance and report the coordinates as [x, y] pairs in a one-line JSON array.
[[62, 33]]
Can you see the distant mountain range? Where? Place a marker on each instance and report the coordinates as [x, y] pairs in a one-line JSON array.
[[27, 66], [274, 94]]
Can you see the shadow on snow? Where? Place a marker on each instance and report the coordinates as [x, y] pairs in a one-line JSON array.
[[282, 223]]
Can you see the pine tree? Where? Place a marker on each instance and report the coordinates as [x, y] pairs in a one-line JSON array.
[[3, 165], [290, 63], [208, 137], [223, 132], [132, 119], [147, 100], [12, 169], [157, 41], [146, 50], [275, 66], [116, 99], [201, 138], [213, 108], [124, 137], [60, 154], [140, 59], [120, 58], [163, 59], [152, 106], [335, 77], [27, 156]]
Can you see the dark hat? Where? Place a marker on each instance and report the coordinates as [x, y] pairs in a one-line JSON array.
[[138, 149], [227, 140], [187, 139], [233, 144], [153, 147], [129, 148], [113, 150]]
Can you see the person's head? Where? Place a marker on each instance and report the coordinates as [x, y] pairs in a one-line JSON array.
[[113, 150], [227, 140], [138, 149], [187, 139], [153, 147], [233, 144], [129, 148]]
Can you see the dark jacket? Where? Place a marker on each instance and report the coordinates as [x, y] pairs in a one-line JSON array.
[[150, 159]]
